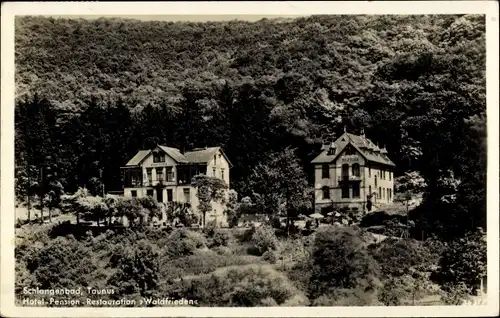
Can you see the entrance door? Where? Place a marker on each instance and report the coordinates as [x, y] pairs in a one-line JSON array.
[[159, 195]]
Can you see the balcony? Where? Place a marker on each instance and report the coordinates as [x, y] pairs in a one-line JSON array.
[[351, 178]]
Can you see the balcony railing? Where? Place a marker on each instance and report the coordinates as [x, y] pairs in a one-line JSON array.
[[350, 178]]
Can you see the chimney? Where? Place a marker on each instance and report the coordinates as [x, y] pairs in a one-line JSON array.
[[363, 132]]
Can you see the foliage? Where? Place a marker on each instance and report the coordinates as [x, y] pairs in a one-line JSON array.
[[218, 238], [277, 187], [181, 213], [464, 261], [208, 189], [137, 269], [408, 80], [245, 286], [270, 256], [233, 210], [62, 263], [340, 260], [203, 262], [182, 242], [264, 239], [455, 294]]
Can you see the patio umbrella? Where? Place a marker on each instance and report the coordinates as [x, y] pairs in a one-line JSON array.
[[316, 216], [329, 213], [302, 216]]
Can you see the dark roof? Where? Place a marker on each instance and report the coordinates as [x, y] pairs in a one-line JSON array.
[[363, 145]]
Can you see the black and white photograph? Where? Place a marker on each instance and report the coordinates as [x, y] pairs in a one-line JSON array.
[[185, 161]]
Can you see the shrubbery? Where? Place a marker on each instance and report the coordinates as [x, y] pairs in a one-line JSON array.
[[264, 239], [183, 242], [251, 285], [340, 260]]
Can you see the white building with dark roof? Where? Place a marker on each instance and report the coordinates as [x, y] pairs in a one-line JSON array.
[[165, 174], [354, 173]]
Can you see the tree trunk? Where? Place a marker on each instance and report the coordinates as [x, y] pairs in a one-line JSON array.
[[41, 208], [50, 214], [29, 208], [97, 220]]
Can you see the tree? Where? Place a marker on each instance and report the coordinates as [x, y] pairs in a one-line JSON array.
[[280, 185], [93, 208], [464, 261], [209, 189]]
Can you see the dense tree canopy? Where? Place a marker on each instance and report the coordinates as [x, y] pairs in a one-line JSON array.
[[90, 93]]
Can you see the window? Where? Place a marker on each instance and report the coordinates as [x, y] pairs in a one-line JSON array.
[[355, 190], [222, 173], [215, 159], [149, 173], [170, 195], [369, 172], [379, 192], [350, 151], [388, 195], [214, 171], [149, 193], [345, 191], [355, 170], [390, 175], [159, 174], [345, 171], [134, 193], [187, 197], [325, 171], [326, 193], [375, 180], [383, 193], [158, 157], [384, 174], [369, 190], [170, 174]]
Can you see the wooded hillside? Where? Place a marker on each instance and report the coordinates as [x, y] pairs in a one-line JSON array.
[[106, 88]]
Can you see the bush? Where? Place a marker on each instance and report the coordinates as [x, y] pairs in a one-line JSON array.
[[204, 262], [62, 263], [464, 261], [245, 286], [264, 239], [398, 257], [219, 238], [137, 269], [183, 242], [341, 260], [270, 257]]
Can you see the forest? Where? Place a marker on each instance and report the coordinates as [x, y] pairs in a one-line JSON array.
[[91, 93]]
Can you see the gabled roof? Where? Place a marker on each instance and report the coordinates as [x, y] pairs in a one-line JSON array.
[[200, 156], [138, 158], [204, 155], [174, 153], [363, 145]]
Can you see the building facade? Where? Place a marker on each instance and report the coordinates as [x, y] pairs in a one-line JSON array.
[[165, 174], [354, 173]]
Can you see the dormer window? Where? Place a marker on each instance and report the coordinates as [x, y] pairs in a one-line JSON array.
[[158, 157]]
